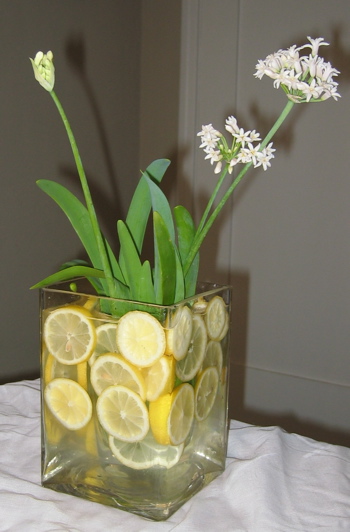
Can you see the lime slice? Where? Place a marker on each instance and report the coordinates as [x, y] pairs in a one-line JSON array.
[[205, 392], [122, 413], [111, 369], [171, 416], [217, 319], [213, 356], [69, 334], [106, 340], [159, 378], [179, 336], [145, 453], [188, 367], [69, 403], [140, 338]]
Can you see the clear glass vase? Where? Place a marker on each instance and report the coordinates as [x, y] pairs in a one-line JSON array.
[[134, 397]]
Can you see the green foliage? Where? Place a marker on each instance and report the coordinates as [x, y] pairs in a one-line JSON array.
[[134, 279]]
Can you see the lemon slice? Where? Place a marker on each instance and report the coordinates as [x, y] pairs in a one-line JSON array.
[[188, 367], [69, 403], [159, 378], [122, 413], [54, 369], [179, 336], [205, 392], [106, 340], [145, 453], [140, 338], [171, 416], [213, 356], [216, 318], [111, 369], [69, 334]]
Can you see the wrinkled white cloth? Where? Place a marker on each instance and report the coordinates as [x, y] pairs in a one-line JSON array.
[[273, 482]]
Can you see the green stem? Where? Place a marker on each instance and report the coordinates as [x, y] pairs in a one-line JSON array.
[[212, 199], [88, 200], [201, 234]]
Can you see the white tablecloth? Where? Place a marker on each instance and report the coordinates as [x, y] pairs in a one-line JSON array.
[[274, 482]]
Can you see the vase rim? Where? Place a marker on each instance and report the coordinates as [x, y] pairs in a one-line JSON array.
[[206, 289]]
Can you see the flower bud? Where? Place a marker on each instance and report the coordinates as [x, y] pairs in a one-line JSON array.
[[44, 70]]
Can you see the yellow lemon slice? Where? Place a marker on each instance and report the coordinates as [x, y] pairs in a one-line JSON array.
[[140, 338], [205, 392], [213, 356], [188, 367], [69, 403], [69, 334], [54, 369], [171, 416], [106, 340], [111, 369], [159, 378], [217, 318], [145, 453], [179, 336], [122, 413]]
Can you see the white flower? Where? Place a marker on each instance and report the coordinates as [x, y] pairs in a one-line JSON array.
[[231, 125], [264, 157], [311, 90], [242, 136], [315, 44], [44, 70]]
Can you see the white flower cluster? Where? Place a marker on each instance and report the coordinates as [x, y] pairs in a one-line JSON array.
[[242, 149], [304, 78]]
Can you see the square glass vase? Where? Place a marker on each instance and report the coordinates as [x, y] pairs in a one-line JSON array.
[[134, 397]]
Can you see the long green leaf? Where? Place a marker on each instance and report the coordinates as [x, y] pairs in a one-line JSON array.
[[186, 230], [140, 206], [70, 273], [165, 262], [138, 276], [80, 220], [161, 205]]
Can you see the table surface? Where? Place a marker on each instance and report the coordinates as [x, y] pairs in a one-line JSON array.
[[273, 482]]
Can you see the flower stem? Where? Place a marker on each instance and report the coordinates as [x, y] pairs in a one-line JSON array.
[[204, 228], [88, 200]]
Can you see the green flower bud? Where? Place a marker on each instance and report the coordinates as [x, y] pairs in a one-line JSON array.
[[44, 70]]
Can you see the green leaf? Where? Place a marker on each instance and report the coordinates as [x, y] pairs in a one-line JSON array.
[[165, 262], [78, 216], [161, 205], [70, 273], [140, 206], [186, 230], [138, 276]]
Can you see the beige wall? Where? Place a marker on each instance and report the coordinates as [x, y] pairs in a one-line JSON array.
[[284, 241]]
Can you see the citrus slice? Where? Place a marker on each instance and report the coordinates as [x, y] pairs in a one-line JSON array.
[[54, 369], [188, 367], [69, 334], [159, 378], [205, 392], [111, 369], [216, 318], [171, 416], [140, 338], [122, 413], [69, 403], [145, 453], [106, 340], [213, 356], [179, 336]]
